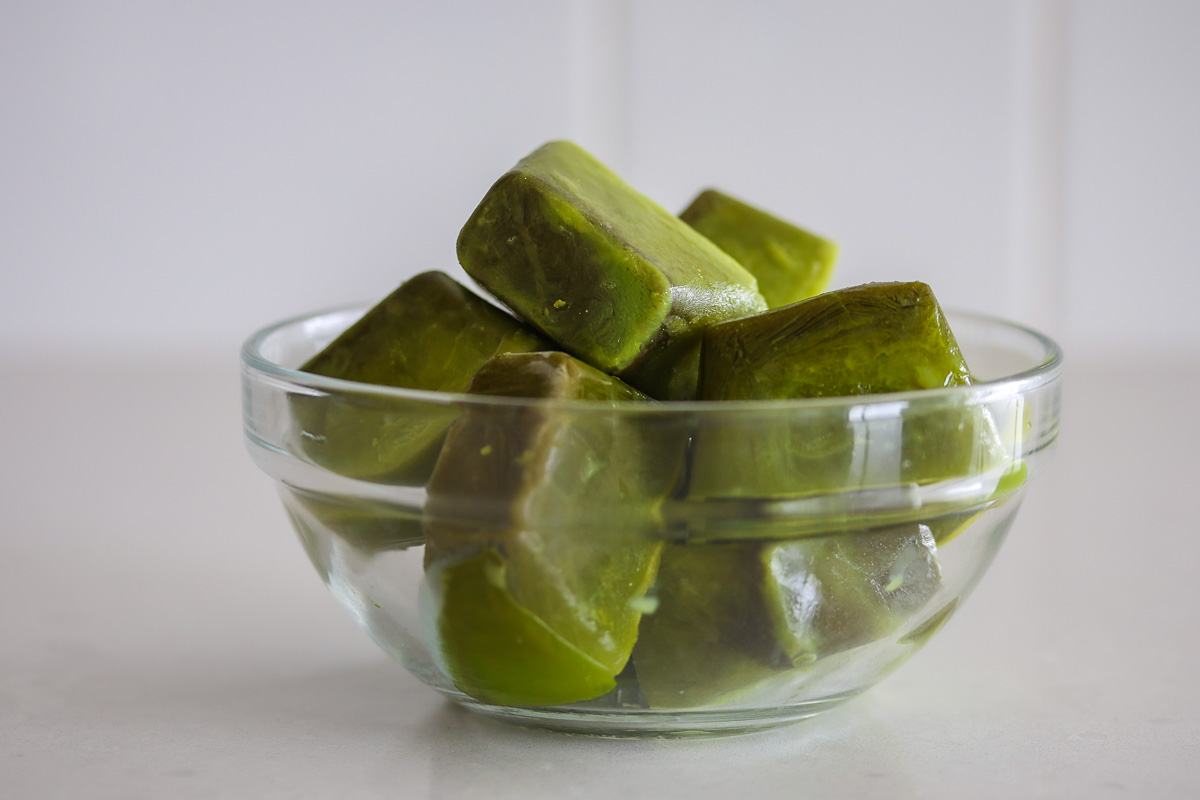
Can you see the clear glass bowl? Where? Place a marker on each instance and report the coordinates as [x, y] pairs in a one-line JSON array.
[[763, 560]]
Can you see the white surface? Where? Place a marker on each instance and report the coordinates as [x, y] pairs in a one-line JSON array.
[[162, 635], [177, 174]]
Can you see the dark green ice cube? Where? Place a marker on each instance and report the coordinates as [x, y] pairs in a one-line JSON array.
[[734, 617], [557, 505], [873, 339], [430, 334], [602, 270]]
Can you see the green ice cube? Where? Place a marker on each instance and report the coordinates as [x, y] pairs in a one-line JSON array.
[[602, 270]]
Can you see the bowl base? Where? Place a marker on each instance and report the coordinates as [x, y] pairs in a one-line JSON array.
[[637, 723]]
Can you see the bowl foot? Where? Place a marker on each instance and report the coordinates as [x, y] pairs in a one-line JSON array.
[[641, 723]]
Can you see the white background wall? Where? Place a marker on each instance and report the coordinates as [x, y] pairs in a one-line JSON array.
[[173, 175]]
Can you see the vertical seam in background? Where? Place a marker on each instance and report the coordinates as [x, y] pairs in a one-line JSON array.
[[1037, 284], [599, 79]]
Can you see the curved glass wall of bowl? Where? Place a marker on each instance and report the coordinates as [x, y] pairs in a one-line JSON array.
[[786, 555]]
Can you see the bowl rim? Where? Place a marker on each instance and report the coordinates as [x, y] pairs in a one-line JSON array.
[[1047, 371]]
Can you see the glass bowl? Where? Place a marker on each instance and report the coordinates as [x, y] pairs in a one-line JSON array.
[[659, 569]]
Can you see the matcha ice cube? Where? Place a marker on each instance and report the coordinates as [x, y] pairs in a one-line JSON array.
[[872, 339], [431, 334], [602, 270], [735, 616], [555, 505], [790, 263]]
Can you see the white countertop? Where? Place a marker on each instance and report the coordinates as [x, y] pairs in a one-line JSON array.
[[163, 635]]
